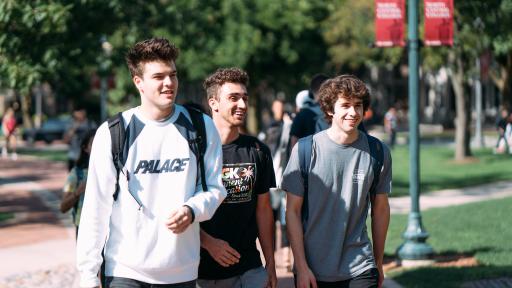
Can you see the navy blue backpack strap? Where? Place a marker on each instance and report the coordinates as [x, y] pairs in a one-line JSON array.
[[305, 152], [362, 128], [117, 136], [199, 142], [377, 153]]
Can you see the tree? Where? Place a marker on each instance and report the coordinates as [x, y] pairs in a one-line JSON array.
[[471, 38], [354, 47], [278, 42], [498, 26], [57, 42], [23, 64], [348, 47]]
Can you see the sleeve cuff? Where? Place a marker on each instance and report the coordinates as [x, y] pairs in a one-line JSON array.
[[191, 212]]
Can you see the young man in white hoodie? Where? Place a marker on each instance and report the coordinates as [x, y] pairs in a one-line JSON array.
[[151, 232]]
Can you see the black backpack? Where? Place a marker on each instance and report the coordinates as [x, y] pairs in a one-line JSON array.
[[305, 152], [196, 140]]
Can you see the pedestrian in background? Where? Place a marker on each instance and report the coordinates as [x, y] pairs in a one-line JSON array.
[[74, 135], [310, 118], [277, 137], [502, 145], [9, 126], [74, 188], [390, 125]]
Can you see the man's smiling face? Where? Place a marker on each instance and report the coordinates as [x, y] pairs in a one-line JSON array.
[[348, 114], [158, 85]]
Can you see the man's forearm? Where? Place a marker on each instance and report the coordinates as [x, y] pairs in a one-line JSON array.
[[265, 221], [296, 237], [69, 200], [205, 239], [380, 223]]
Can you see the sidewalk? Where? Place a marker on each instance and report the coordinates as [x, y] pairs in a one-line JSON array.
[[37, 247]]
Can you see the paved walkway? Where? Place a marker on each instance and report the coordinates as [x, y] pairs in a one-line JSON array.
[[37, 246], [451, 197]]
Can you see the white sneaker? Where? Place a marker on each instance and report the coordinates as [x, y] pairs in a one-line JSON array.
[[4, 152], [14, 156]]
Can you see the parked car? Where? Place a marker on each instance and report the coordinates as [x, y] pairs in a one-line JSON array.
[[51, 130]]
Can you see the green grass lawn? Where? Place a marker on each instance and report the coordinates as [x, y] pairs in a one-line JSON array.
[[5, 216], [51, 155], [438, 171], [481, 230]]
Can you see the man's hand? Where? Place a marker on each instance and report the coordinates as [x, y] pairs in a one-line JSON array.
[[272, 277], [179, 220], [306, 279], [381, 274], [221, 252]]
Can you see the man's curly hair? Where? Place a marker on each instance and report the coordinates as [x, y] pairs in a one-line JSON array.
[[213, 83], [154, 49], [344, 86]]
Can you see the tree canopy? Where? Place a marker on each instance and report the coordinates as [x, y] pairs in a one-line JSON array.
[[281, 43]]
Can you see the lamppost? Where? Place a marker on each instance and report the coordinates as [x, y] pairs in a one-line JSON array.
[[415, 246], [104, 74]]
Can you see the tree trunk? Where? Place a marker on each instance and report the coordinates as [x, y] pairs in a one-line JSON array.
[[26, 101], [462, 133]]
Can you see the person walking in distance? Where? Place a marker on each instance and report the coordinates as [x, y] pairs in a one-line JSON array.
[[229, 257], [73, 136], [9, 125], [329, 191], [148, 228], [390, 125], [74, 188], [309, 119]]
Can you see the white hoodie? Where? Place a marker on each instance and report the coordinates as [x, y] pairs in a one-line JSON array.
[[162, 176]]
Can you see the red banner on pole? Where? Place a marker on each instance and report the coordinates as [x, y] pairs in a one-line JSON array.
[[389, 23], [438, 22]]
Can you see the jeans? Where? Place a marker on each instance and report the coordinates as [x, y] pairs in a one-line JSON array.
[[120, 282], [254, 278], [368, 279]]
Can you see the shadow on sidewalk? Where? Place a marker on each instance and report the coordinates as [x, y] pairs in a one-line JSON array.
[[20, 179], [28, 208]]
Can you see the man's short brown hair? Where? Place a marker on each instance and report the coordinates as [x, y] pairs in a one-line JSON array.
[[344, 86], [213, 83], [154, 49]]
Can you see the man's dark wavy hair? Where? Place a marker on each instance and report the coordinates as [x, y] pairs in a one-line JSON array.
[[344, 86], [154, 49], [213, 83]]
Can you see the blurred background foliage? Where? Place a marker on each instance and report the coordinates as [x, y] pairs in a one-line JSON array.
[[281, 43]]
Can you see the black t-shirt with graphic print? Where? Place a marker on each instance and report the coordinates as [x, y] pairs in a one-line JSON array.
[[247, 172]]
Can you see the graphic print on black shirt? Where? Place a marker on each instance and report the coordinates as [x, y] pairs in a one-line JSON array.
[[238, 179]]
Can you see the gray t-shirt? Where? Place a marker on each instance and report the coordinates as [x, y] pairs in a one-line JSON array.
[[336, 241]]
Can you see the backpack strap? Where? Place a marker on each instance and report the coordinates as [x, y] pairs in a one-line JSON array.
[[198, 144], [377, 153], [305, 152], [257, 156], [79, 172], [117, 136]]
